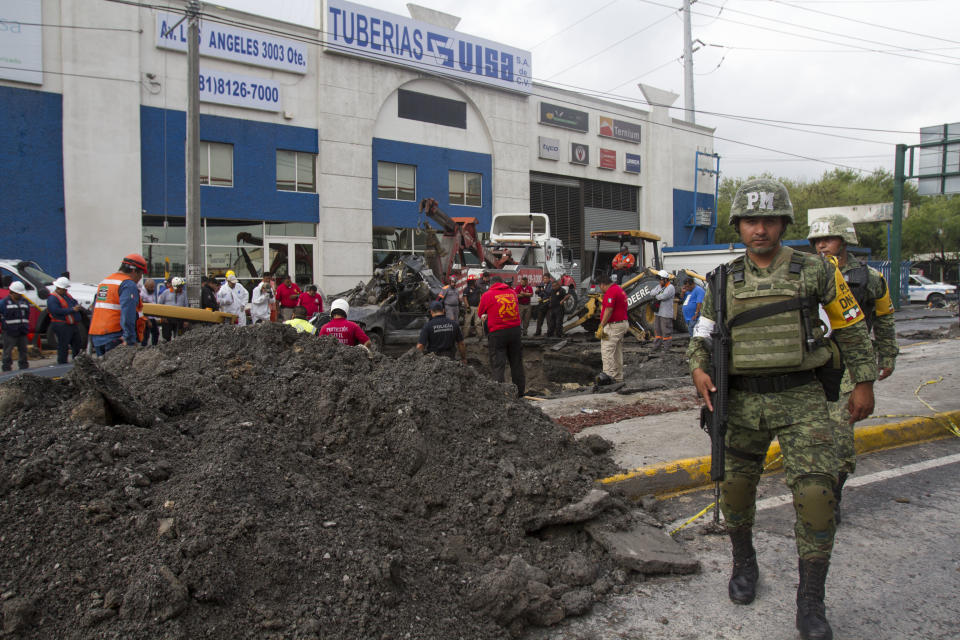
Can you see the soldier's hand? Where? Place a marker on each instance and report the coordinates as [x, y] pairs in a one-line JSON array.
[[704, 385], [601, 334], [884, 373], [860, 404]]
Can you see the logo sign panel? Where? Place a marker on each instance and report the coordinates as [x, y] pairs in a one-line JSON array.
[[21, 41], [633, 163], [579, 153], [558, 116], [549, 148], [232, 43], [386, 37], [221, 87], [610, 128], [608, 159]]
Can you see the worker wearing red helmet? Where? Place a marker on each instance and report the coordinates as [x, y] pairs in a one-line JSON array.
[[117, 311]]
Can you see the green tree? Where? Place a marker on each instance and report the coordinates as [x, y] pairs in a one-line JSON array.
[[933, 227], [835, 188]]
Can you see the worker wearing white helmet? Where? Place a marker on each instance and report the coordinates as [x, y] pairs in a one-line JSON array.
[[233, 297], [663, 316], [348, 333], [15, 322], [175, 296], [65, 319]]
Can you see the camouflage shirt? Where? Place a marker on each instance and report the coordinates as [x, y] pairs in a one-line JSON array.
[[779, 409]]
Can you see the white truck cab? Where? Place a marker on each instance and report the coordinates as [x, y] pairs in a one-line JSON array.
[[39, 284], [528, 237]]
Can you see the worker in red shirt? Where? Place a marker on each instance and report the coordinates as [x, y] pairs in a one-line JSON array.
[[613, 327], [287, 295], [348, 333], [524, 292], [311, 301], [624, 262], [500, 310]]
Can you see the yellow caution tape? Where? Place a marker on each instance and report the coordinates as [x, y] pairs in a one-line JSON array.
[[953, 428], [710, 506]]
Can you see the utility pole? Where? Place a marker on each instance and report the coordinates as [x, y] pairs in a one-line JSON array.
[[194, 230], [689, 109]]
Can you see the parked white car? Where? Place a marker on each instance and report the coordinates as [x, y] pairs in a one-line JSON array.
[[923, 289]]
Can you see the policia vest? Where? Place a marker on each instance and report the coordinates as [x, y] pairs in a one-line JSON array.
[[773, 319]]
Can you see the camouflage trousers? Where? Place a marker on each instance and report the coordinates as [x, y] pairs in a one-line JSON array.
[[809, 458], [843, 434]]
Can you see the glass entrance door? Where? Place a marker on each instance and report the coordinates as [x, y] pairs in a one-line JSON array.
[[293, 257]]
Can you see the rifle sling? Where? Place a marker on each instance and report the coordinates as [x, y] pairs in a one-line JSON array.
[[772, 309]]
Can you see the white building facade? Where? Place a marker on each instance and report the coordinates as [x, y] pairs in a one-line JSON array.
[[317, 145]]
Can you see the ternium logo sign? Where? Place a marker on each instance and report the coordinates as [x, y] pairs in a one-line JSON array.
[[579, 153], [610, 128]]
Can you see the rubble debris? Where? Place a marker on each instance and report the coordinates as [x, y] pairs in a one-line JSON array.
[[579, 421], [644, 548], [253, 482]]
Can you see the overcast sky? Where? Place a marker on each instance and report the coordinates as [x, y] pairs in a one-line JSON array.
[[871, 73]]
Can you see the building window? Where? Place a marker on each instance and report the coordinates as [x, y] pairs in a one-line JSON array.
[[465, 188], [296, 171], [396, 181], [216, 164]]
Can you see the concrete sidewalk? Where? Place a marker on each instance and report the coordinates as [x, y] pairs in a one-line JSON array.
[[669, 452]]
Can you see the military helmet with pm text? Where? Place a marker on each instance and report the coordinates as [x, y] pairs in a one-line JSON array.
[[761, 197]]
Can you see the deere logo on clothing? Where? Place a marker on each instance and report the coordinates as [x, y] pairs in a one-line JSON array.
[[760, 200]]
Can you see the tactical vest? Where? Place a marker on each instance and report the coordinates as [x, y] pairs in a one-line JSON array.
[[766, 319], [857, 279]]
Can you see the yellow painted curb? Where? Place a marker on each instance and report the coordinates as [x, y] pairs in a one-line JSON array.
[[695, 472]]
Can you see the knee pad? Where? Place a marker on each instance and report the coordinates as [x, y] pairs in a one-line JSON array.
[[738, 491], [814, 501]]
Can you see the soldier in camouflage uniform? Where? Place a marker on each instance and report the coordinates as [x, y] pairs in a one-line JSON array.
[[830, 236], [773, 294]]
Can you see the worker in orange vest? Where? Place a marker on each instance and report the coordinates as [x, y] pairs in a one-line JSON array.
[[117, 311], [624, 262]]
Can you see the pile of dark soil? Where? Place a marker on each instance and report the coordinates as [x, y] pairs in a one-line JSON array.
[[256, 483]]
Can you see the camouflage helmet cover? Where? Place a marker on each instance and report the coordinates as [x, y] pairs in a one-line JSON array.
[[760, 198], [833, 226]]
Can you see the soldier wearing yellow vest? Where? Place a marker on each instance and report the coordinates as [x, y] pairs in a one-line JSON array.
[[117, 317], [777, 345]]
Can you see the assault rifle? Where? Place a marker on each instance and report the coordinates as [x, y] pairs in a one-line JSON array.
[[715, 422]]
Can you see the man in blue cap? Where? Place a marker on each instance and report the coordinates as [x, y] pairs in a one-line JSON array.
[[441, 334]]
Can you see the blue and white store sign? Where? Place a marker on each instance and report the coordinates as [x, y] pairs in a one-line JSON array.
[[386, 37], [232, 43], [633, 163], [549, 148], [21, 41], [221, 87]]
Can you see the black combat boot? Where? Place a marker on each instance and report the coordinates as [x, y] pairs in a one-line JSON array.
[[837, 493], [743, 583], [811, 613]]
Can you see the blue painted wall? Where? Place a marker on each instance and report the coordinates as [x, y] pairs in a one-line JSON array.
[[683, 218], [254, 194], [31, 178], [433, 165]]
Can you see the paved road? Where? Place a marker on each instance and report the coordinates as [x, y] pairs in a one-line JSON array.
[[894, 575]]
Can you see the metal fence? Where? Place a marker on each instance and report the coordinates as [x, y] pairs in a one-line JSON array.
[[883, 266]]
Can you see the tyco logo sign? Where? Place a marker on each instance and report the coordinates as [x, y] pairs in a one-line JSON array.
[[549, 148], [579, 153]]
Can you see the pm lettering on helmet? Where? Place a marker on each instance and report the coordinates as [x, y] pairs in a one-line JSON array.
[[759, 200], [820, 227]]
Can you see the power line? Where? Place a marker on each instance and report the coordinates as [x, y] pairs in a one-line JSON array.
[[605, 49], [646, 73], [574, 24], [808, 37], [864, 22], [74, 26], [832, 33], [73, 75]]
